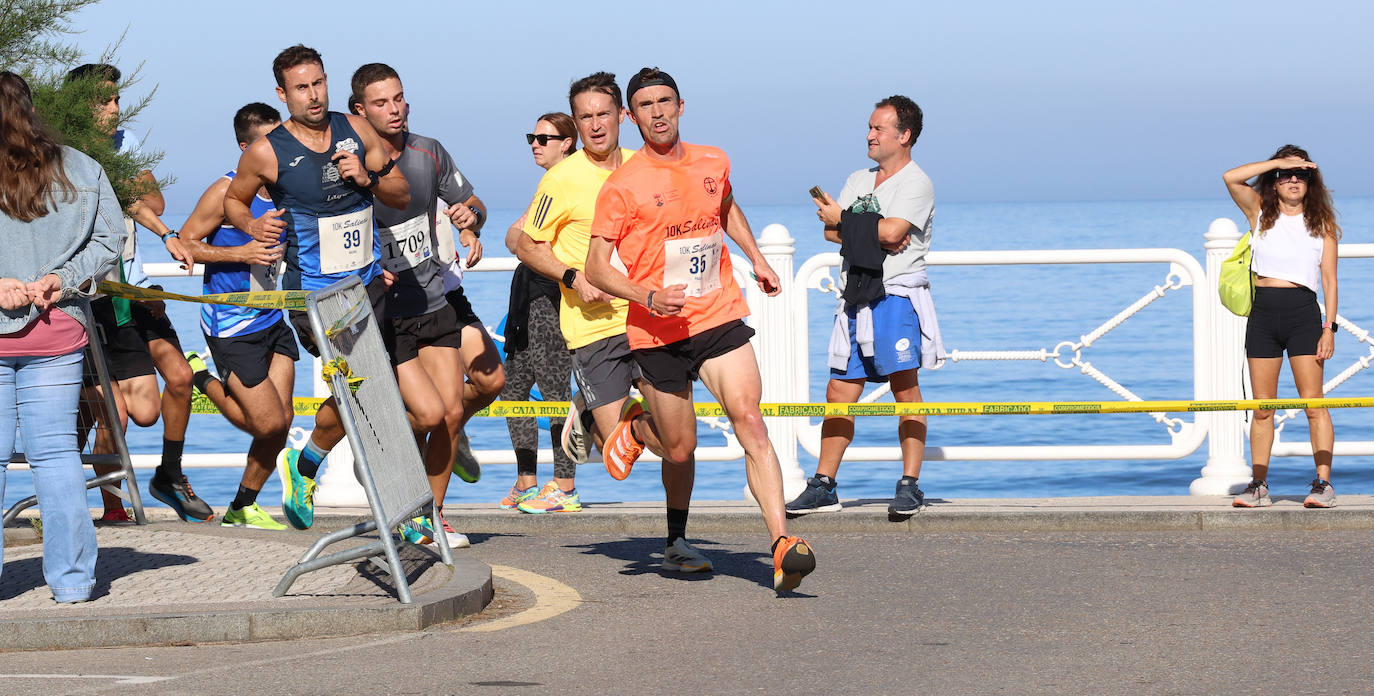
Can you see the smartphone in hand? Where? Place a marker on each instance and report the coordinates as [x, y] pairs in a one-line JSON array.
[[816, 192]]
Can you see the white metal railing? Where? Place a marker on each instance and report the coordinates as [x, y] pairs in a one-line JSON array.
[[782, 342]]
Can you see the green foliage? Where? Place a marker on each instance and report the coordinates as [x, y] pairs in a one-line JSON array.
[[25, 30], [37, 524], [27, 46]]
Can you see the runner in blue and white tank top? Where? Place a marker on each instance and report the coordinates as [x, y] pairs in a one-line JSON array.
[[225, 321], [322, 170], [253, 348]]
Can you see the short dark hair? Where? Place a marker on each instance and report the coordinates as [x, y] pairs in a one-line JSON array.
[[602, 82], [909, 115], [251, 116], [101, 71], [290, 58], [366, 75]]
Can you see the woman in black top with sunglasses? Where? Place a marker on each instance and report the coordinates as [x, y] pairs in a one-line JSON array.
[[535, 349], [1293, 236]]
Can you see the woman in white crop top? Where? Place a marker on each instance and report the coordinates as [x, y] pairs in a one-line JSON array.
[[1294, 236]]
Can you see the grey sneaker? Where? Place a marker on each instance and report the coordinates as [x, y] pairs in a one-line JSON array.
[[1255, 495], [816, 498], [682, 557], [577, 444], [1322, 495], [908, 499]]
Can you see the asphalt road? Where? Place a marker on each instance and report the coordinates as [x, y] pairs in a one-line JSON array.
[[980, 613]]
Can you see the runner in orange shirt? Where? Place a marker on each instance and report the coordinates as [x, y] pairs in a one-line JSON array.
[[666, 212]]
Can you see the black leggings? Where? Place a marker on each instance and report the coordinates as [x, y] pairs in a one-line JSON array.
[[547, 361]]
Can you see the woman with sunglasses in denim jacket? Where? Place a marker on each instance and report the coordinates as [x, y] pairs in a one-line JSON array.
[[1293, 237], [61, 229]]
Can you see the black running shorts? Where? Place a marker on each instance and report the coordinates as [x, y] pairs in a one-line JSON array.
[[673, 368]]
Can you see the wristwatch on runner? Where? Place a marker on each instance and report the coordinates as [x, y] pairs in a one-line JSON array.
[[568, 277]]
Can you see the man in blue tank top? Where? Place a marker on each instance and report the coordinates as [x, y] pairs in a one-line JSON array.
[[254, 350], [429, 333], [322, 169]]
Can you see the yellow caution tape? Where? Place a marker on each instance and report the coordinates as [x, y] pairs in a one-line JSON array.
[[559, 409], [261, 299], [529, 409], [339, 366]]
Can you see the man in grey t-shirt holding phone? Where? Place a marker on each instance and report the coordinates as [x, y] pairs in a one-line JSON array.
[[885, 326]]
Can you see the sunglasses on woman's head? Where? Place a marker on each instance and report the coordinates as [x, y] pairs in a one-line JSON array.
[[543, 138], [1286, 174]]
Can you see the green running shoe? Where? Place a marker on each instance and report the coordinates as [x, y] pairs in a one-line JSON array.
[[196, 362], [418, 531], [465, 465], [298, 492], [252, 516]]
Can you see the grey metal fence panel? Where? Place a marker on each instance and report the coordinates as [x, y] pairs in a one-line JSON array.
[[385, 457], [96, 369]]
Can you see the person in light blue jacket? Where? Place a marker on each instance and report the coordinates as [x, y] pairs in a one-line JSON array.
[[61, 228]]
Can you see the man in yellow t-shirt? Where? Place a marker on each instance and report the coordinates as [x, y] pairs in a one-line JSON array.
[[554, 244]]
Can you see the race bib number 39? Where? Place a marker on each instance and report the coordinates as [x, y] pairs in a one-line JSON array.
[[406, 245], [693, 262], [346, 241]]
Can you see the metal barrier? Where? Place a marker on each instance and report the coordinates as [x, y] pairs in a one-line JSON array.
[[385, 459], [98, 367]]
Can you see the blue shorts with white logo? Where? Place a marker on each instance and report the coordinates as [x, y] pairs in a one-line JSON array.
[[896, 341]]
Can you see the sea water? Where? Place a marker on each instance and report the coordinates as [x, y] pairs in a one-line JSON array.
[[1012, 308]]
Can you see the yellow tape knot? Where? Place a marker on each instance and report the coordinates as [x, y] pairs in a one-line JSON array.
[[339, 366]]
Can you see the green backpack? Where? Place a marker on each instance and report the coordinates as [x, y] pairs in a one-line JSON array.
[[1237, 283]]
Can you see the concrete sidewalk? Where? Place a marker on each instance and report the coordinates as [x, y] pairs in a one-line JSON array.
[[170, 582]]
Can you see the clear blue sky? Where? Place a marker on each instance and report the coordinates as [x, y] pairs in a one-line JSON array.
[[1023, 101]]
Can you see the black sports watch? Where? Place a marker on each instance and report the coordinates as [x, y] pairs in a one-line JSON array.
[[568, 277]]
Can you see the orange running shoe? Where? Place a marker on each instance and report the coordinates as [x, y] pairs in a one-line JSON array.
[[622, 448], [792, 561]]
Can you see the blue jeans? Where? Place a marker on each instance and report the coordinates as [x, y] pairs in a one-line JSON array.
[[41, 393]]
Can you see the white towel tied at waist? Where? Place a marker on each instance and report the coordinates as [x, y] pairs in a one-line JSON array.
[[913, 286]]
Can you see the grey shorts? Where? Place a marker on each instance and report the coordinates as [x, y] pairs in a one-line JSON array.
[[605, 370]]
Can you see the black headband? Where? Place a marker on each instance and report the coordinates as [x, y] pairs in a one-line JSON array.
[[661, 78]]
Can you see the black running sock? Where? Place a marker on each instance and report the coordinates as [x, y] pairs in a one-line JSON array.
[[774, 547], [826, 481], [170, 468], [202, 379], [908, 479], [245, 497], [677, 525], [309, 462]]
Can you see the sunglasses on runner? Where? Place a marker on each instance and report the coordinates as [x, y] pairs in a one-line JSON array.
[[1300, 174], [543, 138]]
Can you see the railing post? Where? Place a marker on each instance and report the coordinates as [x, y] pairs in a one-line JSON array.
[[1227, 469], [783, 379]]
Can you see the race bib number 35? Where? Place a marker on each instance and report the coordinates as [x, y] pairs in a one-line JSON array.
[[406, 245], [693, 262], [346, 241]]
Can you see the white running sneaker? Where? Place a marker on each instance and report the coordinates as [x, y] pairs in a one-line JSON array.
[[682, 557], [456, 540]]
